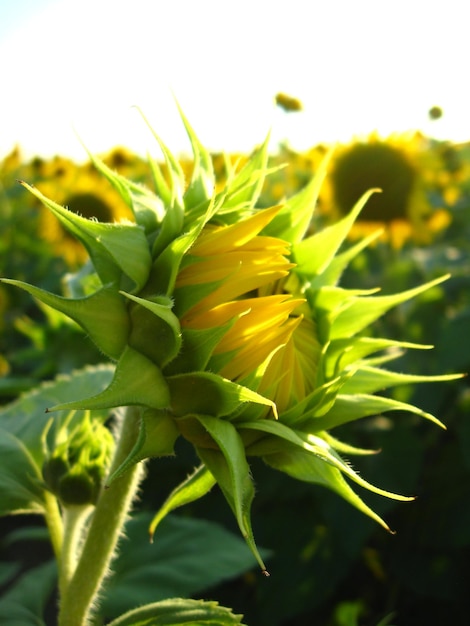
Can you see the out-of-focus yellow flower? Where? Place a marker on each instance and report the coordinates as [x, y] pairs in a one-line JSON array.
[[80, 189], [288, 103], [405, 168]]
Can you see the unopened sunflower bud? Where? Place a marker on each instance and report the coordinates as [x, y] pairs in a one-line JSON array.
[[75, 469]]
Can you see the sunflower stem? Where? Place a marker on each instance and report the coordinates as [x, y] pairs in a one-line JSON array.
[[74, 518], [105, 528], [54, 523]]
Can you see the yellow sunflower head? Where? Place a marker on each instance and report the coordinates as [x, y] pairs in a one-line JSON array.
[[405, 169], [228, 327]]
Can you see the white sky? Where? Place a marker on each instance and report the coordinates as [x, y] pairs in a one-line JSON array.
[[357, 65]]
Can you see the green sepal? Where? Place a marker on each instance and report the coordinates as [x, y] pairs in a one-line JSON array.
[[368, 380], [204, 393], [328, 302], [230, 468], [147, 208], [314, 254], [345, 448], [171, 193], [196, 350], [194, 487], [243, 190], [318, 448], [347, 351], [332, 273], [179, 611], [317, 403], [166, 266], [136, 382], [351, 408], [362, 311], [293, 220], [308, 468], [157, 435], [102, 315], [156, 331], [113, 248], [202, 184]]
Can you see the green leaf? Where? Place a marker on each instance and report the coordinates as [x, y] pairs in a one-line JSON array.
[[231, 470], [136, 382], [194, 487], [112, 247], [20, 478], [25, 602], [178, 612], [188, 556], [102, 315]]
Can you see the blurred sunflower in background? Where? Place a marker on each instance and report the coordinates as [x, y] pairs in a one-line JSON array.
[[80, 189], [407, 171]]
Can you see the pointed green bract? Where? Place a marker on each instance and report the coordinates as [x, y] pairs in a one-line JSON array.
[[204, 393], [313, 255], [113, 248], [230, 468], [157, 436], [102, 315], [363, 311], [294, 218], [196, 485], [136, 382]]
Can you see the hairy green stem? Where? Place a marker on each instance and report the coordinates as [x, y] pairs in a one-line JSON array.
[[74, 520], [103, 534], [54, 523]]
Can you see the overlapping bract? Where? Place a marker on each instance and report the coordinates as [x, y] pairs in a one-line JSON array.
[[228, 327]]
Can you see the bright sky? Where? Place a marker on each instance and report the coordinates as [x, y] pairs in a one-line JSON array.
[[356, 65]]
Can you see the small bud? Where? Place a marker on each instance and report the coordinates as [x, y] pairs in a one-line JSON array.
[[75, 469]]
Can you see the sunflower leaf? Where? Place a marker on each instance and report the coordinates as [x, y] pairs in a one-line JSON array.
[[176, 612]]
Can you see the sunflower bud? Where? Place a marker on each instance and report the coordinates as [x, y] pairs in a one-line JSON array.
[[75, 469]]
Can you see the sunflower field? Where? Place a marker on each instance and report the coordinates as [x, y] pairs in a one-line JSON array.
[[240, 302]]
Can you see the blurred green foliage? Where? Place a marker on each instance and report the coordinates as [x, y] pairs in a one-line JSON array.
[[337, 568]]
